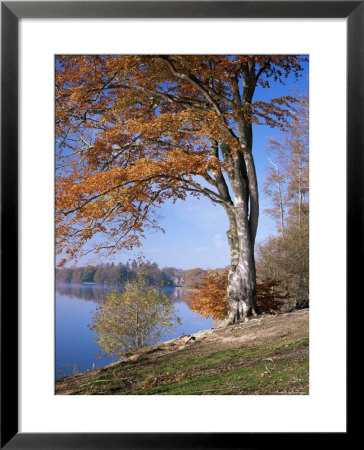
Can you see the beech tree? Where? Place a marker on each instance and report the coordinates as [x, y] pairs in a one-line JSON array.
[[135, 131]]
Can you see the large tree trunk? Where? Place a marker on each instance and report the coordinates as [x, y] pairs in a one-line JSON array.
[[242, 277], [241, 291], [243, 214], [243, 219]]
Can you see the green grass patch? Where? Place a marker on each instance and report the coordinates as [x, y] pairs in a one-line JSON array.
[[265, 369], [262, 377]]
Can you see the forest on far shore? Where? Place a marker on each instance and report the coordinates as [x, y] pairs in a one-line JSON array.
[[116, 274]]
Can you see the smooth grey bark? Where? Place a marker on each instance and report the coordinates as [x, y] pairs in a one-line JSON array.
[[243, 210], [241, 289], [242, 276], [243, 218]]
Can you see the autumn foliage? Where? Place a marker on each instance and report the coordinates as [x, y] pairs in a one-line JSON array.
[[209, 298], [134, 318], [133, 131], [269, 296]]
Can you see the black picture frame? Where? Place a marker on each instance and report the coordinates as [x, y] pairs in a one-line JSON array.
[[11, 12]]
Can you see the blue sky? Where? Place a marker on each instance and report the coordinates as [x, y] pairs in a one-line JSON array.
[[195, 229]]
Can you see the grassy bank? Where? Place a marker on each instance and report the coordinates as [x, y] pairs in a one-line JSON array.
[[269, 355]]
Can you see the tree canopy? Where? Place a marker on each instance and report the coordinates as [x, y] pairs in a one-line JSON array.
[[133, 131]]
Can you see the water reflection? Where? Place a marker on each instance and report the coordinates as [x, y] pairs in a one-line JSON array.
[[75, 305], [96, 292], [178, 294], [86, 292]]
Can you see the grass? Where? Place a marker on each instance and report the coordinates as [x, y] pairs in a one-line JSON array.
[[275, 368]]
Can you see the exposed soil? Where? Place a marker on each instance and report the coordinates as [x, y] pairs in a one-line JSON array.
[[267, 355]]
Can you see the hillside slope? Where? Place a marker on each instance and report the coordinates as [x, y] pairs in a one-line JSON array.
[[268, 355]]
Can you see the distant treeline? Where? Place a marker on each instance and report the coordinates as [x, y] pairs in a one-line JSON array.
[[112, 274]]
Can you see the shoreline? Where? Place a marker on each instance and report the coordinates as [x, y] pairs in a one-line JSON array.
[[204, 362]]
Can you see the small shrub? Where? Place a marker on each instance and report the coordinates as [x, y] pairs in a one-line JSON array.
[[209, 298], [135, 318]]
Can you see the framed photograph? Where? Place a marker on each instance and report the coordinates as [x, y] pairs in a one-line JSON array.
[[111, 109]]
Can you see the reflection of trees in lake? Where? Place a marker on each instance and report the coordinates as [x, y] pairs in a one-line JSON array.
[[96, 293], [84, 292], [179, 295]]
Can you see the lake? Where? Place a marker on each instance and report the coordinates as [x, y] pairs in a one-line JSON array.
[[76, 350]]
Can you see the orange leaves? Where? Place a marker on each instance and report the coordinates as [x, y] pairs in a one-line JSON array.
[[209, 299], [135, 130]]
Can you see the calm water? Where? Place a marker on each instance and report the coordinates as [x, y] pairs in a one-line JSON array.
[[75, 346]]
